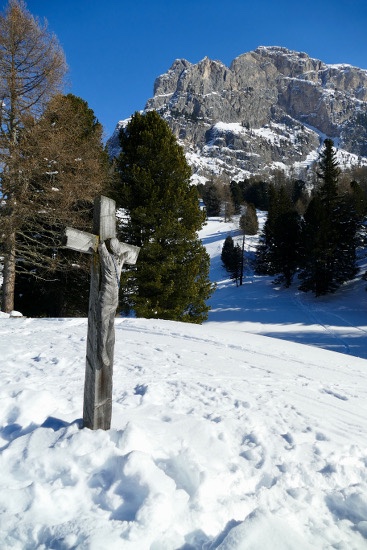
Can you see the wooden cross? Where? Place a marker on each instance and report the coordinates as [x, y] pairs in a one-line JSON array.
[[109, 255]]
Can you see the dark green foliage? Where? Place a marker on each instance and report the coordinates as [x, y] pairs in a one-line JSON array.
[[329, 173], [231, 257], [170, 279], [329, 235], [248, 221], [237, 264], [65, 296], [298, 191], [227, 252], [211, 196], [358, 199], [256, 193], [277, 253], [237, 196]]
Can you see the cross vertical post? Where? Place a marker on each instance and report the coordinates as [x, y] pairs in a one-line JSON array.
[[97, 405], [109, 255]]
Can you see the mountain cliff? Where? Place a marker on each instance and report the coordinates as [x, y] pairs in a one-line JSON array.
[[271, 109]]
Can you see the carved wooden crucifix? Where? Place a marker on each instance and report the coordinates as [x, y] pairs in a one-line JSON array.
[[109, 255]]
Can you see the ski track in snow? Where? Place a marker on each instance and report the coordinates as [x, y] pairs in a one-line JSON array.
[[317, 314]]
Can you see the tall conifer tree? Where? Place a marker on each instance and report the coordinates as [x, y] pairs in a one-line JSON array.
[[65, 167], [278, 251], [162, 216], [329, 236], [232, 258], [248, 221], [211, 197]]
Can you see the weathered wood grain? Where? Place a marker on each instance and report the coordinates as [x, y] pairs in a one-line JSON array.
[[81, 241], [104, 218], [109, 255]]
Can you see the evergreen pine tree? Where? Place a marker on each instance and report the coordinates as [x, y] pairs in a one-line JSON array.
[[248, 221], [212, 199], [162, 216], [231, 257], [227, 253], [279, 245], [237, 264], [237, 197], [329, 236]]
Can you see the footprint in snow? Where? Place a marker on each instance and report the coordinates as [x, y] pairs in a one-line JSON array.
[[334, 394], [253, 451], [289, 439]]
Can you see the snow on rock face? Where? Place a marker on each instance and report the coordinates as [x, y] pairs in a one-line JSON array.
[[219, 439], [305, 97]]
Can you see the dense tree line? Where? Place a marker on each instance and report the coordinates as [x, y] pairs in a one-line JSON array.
[[313, 236], [320, 246], [227, 198], [53, 165], [330, 231]]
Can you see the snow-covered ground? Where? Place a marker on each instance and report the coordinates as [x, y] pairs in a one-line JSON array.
[[221, 438], [337, 322]]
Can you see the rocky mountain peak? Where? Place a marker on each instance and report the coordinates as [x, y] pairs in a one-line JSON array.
[[270, 109]]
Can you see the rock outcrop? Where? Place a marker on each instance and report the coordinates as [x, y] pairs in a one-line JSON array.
[[271, 109]]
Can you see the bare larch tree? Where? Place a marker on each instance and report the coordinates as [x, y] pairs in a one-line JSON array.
[[32, 70]]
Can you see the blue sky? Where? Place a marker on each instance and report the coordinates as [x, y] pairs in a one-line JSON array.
[[116, 48]]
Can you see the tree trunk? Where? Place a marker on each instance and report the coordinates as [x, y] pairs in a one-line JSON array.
[[9, 276], [242, 259]]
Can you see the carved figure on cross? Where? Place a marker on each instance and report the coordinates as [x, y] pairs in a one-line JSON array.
[[112, 255], [109, 256]]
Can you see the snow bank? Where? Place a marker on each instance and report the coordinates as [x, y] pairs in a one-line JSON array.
[[222, 437], [219, 439]]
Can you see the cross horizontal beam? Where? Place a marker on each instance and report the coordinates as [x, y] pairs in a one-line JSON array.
[[81, 241]]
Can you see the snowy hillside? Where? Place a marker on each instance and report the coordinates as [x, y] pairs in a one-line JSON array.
[[337, 322], [221, 438]]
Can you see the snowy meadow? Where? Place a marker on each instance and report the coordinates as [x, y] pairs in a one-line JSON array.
[[248, 432]]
